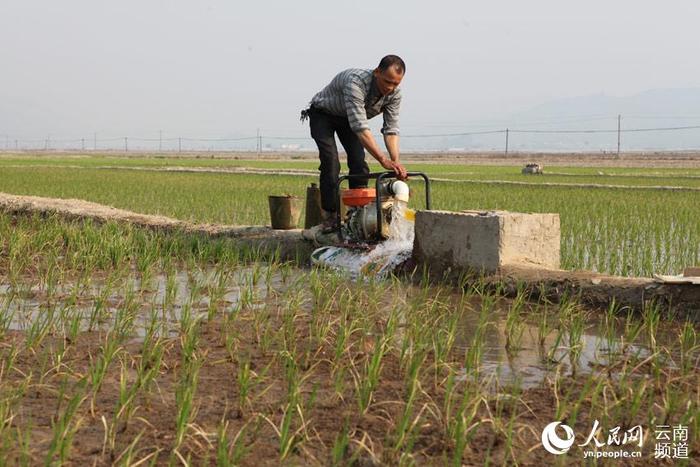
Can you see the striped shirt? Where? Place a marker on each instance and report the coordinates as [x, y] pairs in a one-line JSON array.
[[354, 94]]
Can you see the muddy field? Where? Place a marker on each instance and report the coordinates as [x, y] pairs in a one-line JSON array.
[[133, 339], [126, 346]]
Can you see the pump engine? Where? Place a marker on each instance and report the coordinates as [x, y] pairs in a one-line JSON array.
[[360, 223]]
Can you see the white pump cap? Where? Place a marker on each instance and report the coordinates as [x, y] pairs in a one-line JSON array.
[[400, 190]]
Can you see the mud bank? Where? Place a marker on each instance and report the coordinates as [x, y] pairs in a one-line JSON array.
[[599, 290], [288, 243], [596, 290]]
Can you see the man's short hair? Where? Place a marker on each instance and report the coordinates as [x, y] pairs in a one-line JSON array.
[[392, 60]]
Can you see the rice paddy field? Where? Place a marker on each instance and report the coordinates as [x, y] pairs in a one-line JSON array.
[[121, 346], [619, 220]]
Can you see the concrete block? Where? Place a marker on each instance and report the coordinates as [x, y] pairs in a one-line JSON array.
[[486, 240]]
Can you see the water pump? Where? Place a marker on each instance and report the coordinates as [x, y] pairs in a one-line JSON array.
[[369, 211]]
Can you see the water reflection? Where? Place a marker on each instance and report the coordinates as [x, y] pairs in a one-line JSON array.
[[537, 356], [98, 303]]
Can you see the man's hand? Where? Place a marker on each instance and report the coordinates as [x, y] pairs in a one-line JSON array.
[[395, 167]]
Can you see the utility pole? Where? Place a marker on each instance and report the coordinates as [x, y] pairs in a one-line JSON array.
[[619, 117], [16, 145], [160, 140], [179, 144], [258, 142], [7, 142], [48, 143], [507, 134], [94, 141], [82, 144], [126, 144]]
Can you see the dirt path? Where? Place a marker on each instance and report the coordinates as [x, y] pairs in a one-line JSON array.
[[568, 185], [289, 242], [215, 170], [681, 160]]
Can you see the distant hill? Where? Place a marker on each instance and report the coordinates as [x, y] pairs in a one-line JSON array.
[[656, 108], [654, 102]]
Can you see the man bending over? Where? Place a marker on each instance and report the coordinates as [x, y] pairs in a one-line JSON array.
[[343, 107]]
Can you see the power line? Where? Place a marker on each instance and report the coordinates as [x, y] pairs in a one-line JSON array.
[[468, 133], [695, 127], [423, 135], [50, 142], [629, 130], [223, 140]]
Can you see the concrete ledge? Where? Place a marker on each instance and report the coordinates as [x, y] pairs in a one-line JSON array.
[[486, 241]]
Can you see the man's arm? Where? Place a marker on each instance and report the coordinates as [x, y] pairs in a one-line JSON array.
[[392, 146], [370, 145], [390, 130]]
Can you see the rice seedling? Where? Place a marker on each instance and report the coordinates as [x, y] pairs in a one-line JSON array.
[[514, 322], [244, 380], [289, 434], [632, 330], [651, 316], [367, 378], [341, 446], [129, 455], [149, 365], [544, 327], [506, 408], [65, 424], [688, 340], [7, 314], [230, 453], [40, 328], [123, 411], [473, 354], [185, 399], [100, 364], [216, 292], [460, 415], [405, 431], [444, 341]]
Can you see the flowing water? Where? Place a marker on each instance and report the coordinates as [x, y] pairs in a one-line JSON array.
[[383, 258]]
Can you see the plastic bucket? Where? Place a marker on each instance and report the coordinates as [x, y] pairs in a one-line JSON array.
[[284, 211]]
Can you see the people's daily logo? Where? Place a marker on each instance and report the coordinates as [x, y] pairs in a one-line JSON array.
[[619, 442], [553, 443]]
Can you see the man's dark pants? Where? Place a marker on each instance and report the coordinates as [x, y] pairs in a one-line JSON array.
[[323, 128]]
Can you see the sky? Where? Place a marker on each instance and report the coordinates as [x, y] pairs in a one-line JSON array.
[[213, 68]]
